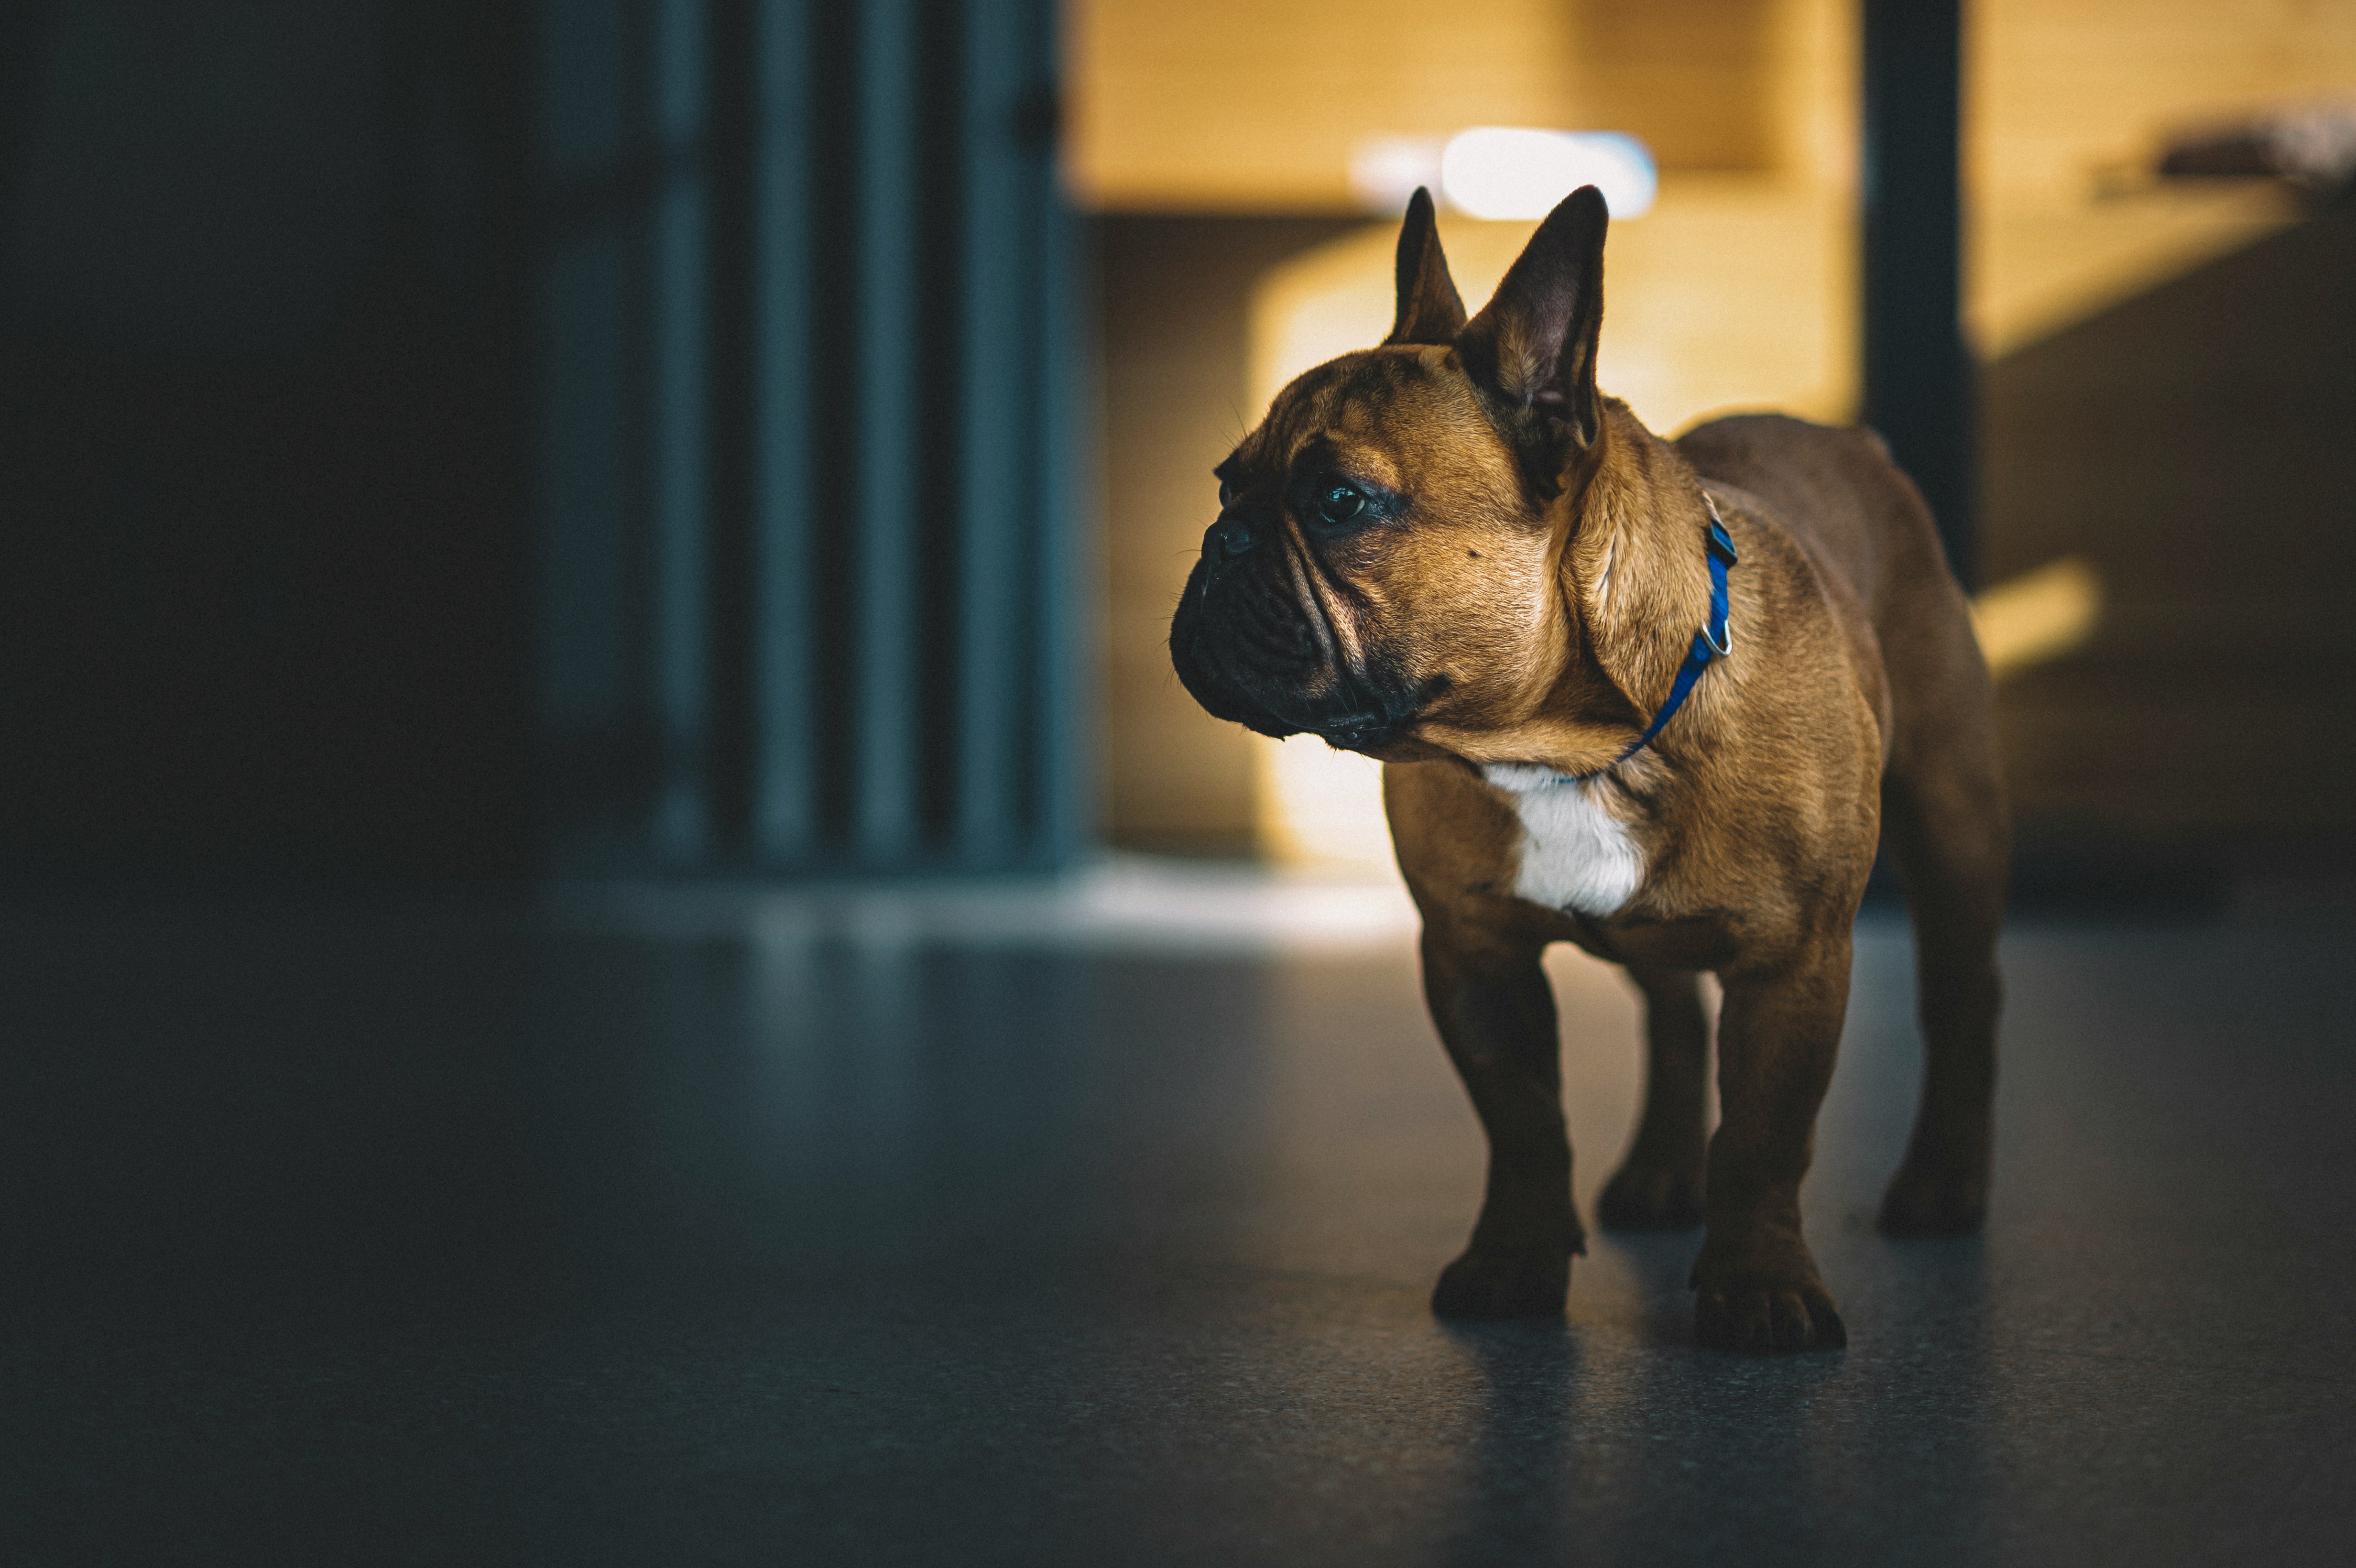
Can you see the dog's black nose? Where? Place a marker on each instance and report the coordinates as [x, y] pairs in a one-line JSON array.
[[1230, 535]]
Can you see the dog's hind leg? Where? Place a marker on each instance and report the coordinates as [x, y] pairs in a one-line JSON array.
[[1658, 1186], [1496, 1017], [1777, 1035], [1943, 821]]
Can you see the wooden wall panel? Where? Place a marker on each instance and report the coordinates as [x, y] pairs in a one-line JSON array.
[[2193, 445], [1231, 106]]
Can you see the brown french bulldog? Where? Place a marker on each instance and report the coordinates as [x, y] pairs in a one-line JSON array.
[[1661, 699]]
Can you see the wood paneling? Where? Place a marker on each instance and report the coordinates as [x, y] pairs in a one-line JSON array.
[[1695, 78], [1254, 105], [2193, 444]]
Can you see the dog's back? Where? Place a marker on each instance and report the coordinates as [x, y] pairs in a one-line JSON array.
[[1861, 518]]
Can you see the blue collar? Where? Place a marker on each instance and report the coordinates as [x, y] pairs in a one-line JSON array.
[[1714, 641]]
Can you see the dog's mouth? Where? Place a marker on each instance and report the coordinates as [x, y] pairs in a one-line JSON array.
[[1275, 644]]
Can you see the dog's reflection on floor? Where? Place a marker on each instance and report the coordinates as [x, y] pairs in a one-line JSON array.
[[1571, 1427], [1519, 1477]]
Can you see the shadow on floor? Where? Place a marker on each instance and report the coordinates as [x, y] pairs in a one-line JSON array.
[[440, 1234]]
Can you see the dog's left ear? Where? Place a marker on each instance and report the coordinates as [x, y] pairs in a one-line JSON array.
[[1430, 308], [1531, 351]]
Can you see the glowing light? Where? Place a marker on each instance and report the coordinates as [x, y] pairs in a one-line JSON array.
[[2040, 615], [1321, 806], [1384, 170], [1499, 171]]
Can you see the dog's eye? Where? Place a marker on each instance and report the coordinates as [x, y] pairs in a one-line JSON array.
[[1338, 503]]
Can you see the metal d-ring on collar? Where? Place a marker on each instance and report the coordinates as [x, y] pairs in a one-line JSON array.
[[1714, 641]]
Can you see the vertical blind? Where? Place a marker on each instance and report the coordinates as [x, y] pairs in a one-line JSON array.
[[809, 554]]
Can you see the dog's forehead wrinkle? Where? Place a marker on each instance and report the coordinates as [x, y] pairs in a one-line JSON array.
[[1358, 376], [1375, 378], [1313, 393], [1295, 418]]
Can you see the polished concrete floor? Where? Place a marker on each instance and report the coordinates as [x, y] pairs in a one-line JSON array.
[[1093, 1228]]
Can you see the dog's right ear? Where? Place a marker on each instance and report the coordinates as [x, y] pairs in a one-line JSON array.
[[1430, 308]]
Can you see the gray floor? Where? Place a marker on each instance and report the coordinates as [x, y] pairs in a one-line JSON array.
[[1026, 1232]]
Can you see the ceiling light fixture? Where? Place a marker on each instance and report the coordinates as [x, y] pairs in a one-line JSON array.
[[1501, 171]]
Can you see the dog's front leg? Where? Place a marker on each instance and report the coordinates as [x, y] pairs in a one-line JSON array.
[[1778, 1030], [1496, 1015]]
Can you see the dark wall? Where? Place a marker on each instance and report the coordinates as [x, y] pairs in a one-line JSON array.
[[2198, 444], [476, 439], [260, 493]]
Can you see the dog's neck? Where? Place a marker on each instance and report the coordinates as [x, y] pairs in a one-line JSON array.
[[1630, 586]]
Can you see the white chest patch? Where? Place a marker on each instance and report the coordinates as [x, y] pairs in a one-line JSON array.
[[1576, 855]]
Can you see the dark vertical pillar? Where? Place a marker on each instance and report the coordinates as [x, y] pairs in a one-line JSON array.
[[785, 611], [586, 613], [1063, 786], [1919, 379], [890, 414], [997, 450], [680, 488], [732, 561]]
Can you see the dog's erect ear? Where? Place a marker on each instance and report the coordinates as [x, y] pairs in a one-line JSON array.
[[1531, 351], [1430, 308]]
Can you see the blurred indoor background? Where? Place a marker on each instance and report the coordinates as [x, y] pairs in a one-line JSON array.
[[654, 436], [722, 470]]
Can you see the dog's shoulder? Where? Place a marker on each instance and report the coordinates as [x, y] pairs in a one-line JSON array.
[[1835, 489]]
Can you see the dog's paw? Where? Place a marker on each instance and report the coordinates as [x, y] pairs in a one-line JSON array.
[[1756, 1289], [1652, 1198], [1487, 1284], [1922, 1202], [1768, 1318]]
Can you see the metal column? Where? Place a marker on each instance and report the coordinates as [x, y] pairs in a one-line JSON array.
[[1919, 376]]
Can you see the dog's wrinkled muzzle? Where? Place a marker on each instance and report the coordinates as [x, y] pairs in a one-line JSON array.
[[1249, 650], [1243, 643]]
